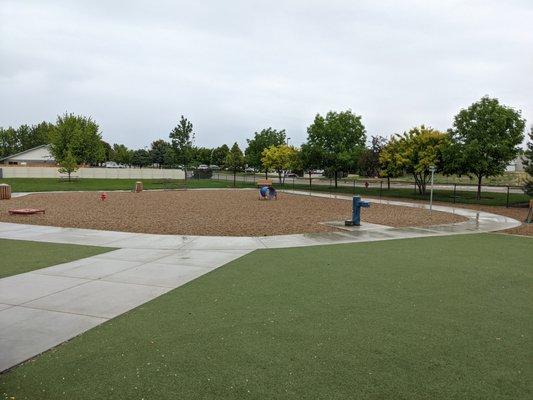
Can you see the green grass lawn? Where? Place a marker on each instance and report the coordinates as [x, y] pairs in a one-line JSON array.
[[432, 318], [18, 256], [52, 184]]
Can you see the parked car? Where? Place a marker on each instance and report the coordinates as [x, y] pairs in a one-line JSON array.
[[111, 164], [214, 167], [203, 167], [249, 170], [291, 175]]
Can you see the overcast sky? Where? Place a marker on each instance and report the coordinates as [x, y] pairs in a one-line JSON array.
[[234, 67]]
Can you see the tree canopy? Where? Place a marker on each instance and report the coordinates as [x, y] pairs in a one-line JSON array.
[[81, 136], [415, 152], [340, 138], [235, 160], [279, 158], [24, 137], [368, 163], [262, 140], [68, 165], [219, 154], [485, 138], [182, 137]]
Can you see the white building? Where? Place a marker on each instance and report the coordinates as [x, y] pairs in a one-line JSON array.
[[37, 157], [517, 165]]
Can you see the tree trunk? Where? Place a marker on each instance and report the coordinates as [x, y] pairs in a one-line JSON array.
[[69, 176], [388, 182], [335, 179], [234, 176], [279, 174], [266, 173], [478, 194]]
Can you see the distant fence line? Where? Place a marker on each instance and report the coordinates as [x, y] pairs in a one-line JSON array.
[[453, 192], [95, 173]]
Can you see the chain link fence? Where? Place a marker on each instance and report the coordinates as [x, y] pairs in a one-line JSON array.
[[498, 195]]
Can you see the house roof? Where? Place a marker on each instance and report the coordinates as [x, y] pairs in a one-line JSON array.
[[24, 152]]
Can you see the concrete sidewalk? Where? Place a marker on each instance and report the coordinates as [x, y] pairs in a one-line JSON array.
[[43, 308]]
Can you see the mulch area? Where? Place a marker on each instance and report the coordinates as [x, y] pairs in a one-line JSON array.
[[206, 212]]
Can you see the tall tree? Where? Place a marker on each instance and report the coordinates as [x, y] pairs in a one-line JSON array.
[[158, 149], [219, 154], [390, 160], [40, 134], [279, 158], [235, 160], [182, 137], [528, 155], [140, 158], [121, 154], [416, 151], [108, 151], [340, 137], [8, 142], [201, 155], [368, 163], [485, 138], [80, 135], [68, 164], [262, 140]]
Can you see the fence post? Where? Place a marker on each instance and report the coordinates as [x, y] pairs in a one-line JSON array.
[[454, 192], [507, 205]]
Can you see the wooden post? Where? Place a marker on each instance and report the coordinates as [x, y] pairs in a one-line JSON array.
[[5, 191], [138, 187]]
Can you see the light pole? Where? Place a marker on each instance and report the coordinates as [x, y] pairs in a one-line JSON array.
[[432, 168], [288, 140]]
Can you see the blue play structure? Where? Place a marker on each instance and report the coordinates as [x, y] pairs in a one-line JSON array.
[[267, 192], [357, 203]]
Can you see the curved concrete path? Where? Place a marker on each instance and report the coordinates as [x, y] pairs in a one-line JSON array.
[[43, 308]]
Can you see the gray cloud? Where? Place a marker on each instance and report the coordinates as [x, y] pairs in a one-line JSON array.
[[236, 67]]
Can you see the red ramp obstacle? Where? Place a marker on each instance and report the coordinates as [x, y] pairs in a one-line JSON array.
[[26, 211]]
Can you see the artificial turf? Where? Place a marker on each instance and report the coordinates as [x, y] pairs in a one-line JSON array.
[[18, 256], [431, 318]]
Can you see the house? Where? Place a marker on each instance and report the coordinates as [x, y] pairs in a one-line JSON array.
[[517, 165], [39, 156]]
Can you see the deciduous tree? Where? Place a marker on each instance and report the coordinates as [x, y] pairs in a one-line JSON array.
[[219, 154], [182, 137], [140, 158], [485, 138], [279, 158], [368, 163], [389, 160], [415, 152], [340, 138], [235, 160], [68, 164], [80, 135], [262, 140]]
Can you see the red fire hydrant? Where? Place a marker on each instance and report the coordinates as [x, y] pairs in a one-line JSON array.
[[103, 196]]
